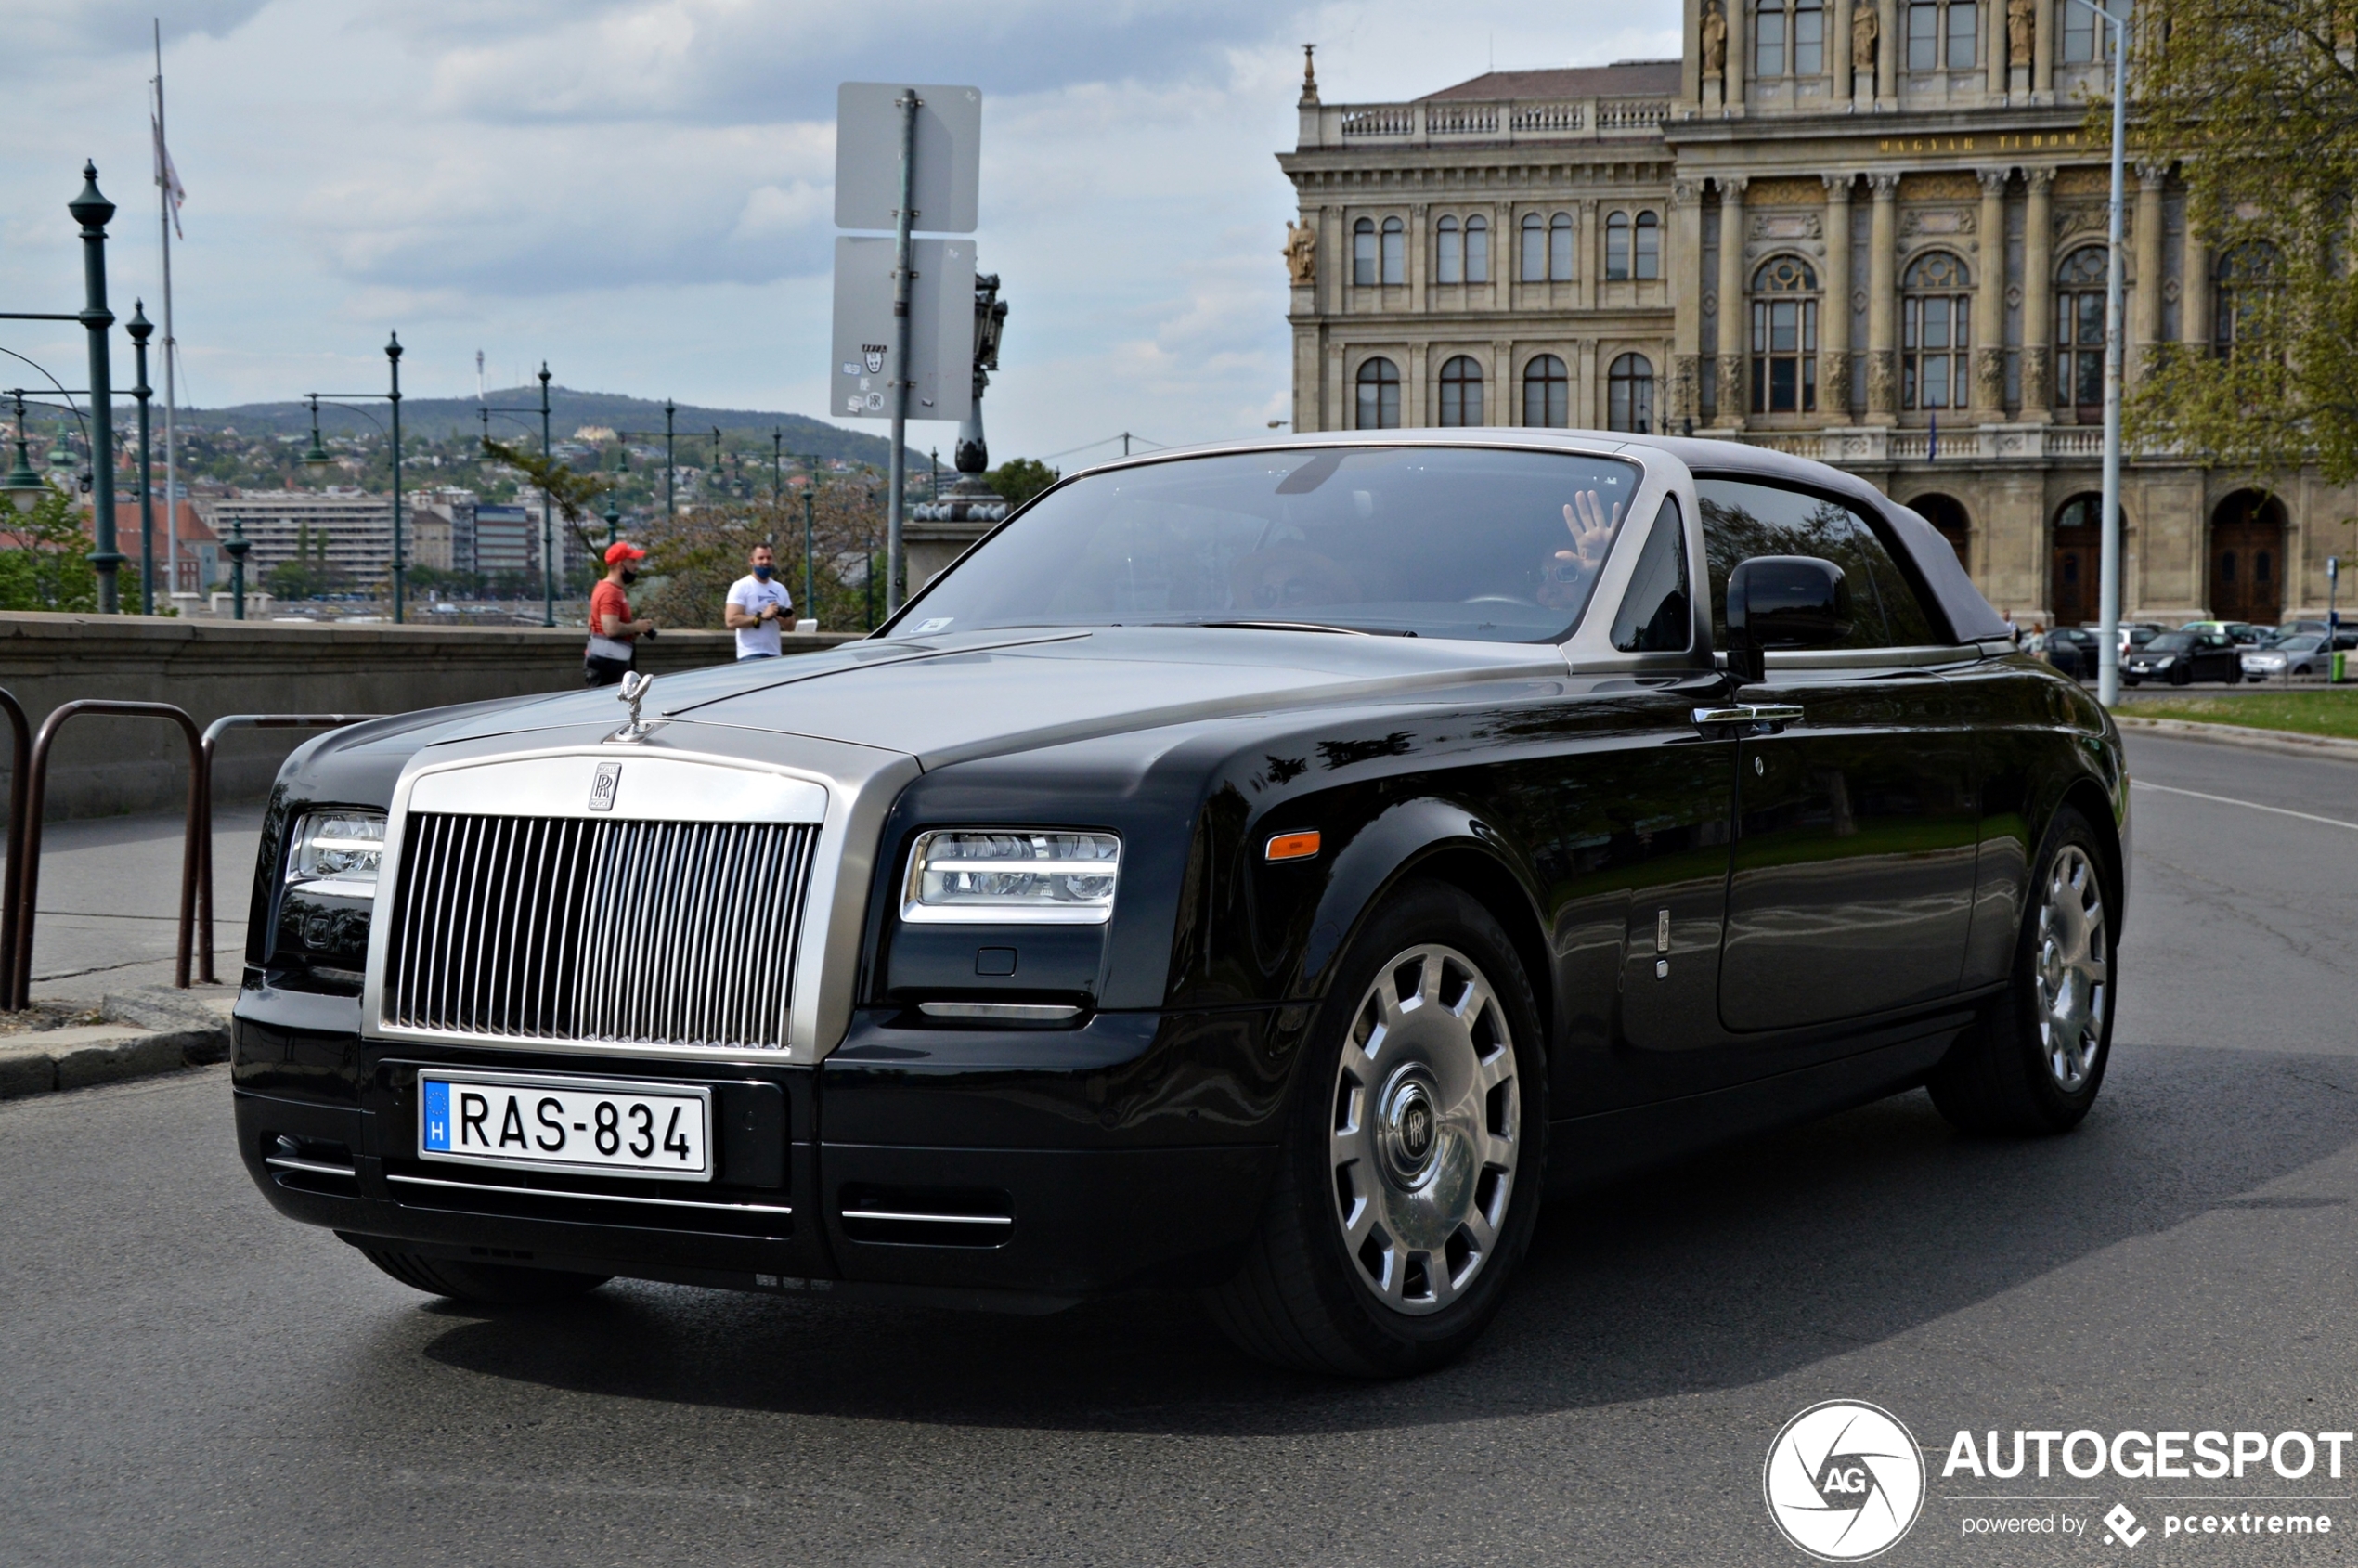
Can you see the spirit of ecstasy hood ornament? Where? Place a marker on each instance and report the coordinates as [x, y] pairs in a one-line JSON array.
[[634, 690]]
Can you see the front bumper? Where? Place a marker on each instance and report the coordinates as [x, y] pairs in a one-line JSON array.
[[1017, 1170]]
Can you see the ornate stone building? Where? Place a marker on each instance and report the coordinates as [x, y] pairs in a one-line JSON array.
[[1867, 231]]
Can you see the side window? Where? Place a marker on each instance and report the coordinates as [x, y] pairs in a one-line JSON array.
[[1903, 612], [1654, 618], [1742, 520]]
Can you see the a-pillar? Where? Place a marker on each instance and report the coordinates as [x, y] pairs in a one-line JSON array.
[[2037, 294], [1882, 302], [2145, 327], [1731, 301], [1834, 322], [1686, 359], [1989, 303]]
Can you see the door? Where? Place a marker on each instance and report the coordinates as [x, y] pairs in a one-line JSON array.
[[2072, 566], [2246, 559], [1851, 877]]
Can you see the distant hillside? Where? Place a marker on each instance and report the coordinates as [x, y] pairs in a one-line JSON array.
[[443, 418]]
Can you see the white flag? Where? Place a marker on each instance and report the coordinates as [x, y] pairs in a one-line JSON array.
[[166, 176]]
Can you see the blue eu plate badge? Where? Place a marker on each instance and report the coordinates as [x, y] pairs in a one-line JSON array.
[[437, 1115]]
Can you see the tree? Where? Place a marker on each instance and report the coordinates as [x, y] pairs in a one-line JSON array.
[[1019, 479], [47, 565], [572, 491], [2259, 99], [695, 556]]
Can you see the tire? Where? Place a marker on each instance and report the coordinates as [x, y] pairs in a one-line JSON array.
[[1410, 1177], [494, 1284], [2034, 1063]]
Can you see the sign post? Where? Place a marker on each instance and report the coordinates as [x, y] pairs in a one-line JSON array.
[[907, 158]]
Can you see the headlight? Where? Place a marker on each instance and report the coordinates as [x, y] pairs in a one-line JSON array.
[[336, 853], [1006, 875], [2164, 661]]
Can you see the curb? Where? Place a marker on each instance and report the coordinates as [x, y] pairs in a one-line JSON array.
[[2285, 742], [181, 1033]]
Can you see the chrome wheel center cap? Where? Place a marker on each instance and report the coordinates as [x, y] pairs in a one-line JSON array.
[[1409, 1126]]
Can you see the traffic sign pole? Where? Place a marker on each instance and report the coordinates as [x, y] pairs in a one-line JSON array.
[[904, 218]]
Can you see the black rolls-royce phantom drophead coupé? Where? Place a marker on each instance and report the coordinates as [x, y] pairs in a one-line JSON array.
[[1263, 870]]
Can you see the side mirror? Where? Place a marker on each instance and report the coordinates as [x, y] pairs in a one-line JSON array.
[[1783, 602]]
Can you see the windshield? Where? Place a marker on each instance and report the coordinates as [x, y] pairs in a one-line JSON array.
[[2307, 643], [2169, 642], [1500, 546]]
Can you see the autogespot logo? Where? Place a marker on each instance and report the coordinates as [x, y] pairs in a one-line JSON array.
[[1843, 1481]]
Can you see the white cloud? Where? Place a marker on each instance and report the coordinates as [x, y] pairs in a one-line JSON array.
[[641, 191]]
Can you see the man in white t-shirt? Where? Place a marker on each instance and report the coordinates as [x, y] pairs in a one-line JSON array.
[[759, 607]]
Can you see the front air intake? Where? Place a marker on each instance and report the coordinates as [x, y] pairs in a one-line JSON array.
[[597, 930]]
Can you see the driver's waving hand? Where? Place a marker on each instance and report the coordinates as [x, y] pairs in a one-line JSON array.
[[1564, 577]]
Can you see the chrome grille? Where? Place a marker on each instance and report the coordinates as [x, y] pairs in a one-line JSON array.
[[597, 929]]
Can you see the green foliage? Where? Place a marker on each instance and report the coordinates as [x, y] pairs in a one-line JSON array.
[[2259, 99], [1019, 479], [309, 574], [572, 491], [695, 557], [46, 564]]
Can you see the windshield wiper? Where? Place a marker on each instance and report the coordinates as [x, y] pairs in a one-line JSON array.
[[1281, 626]]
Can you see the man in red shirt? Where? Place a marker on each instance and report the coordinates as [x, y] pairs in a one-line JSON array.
[[614, 636]]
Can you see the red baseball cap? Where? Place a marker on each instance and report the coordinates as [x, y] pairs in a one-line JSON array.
[[623, 549]]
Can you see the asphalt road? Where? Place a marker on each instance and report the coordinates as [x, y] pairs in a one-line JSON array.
[[188, 1379]]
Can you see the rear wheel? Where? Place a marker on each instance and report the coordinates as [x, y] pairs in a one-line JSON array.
[[2037, 1062], [499, 1284], [1409, 1182]]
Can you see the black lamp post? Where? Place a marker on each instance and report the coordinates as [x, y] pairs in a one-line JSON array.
[[92, 210], [810, 508], [139, 327], [24, 488], [236, 544], [320, 456], [547, 567]]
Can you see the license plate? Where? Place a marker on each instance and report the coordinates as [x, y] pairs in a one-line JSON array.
[[566, 1124]]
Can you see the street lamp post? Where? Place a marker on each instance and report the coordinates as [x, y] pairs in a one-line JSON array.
[[547, 566], [809, 507], [23, 487], [2116, 350], [140, 327], [92, 210], [320, 456], [236, 544]]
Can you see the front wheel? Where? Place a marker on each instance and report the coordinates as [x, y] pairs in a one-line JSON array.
[[2034, 1063], [1409, 1182]]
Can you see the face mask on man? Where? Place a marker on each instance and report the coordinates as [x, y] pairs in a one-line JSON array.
[[628, 577], [763, 570]]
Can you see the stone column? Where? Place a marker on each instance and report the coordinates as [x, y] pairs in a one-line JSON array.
[[1882, 302], [1887, 53], [1584, 389], [1686, 316], [1838, 51], [2146, 312], [2037, 290], [2042, 51], [1989, 303], [1691, 63], [1420, 240], [1501, 403], [2195, 325], [1739, 53], [1588, 255], [1993, 46], [1833, 320], [1733, 318]]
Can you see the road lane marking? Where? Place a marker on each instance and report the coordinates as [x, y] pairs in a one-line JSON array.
[[2248, 805]]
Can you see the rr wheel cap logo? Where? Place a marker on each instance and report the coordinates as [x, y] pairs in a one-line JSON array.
[[1844, 1481]]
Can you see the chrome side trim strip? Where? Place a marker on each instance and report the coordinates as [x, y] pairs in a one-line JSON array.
[[928, 1219], [594, 1197], [311, 1167], [1006, 1012]]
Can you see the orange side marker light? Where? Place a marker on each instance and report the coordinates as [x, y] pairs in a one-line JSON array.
[[1293, 846]]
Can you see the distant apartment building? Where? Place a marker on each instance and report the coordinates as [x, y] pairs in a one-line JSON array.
[[349, 529], [507, 539], [442, 529]]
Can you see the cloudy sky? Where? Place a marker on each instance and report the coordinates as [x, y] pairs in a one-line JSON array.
[[641, 191]]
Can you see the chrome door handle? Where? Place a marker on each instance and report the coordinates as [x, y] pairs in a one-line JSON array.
[[1761, 718]]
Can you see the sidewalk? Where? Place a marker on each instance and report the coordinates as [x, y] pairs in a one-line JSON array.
[[109, 902]]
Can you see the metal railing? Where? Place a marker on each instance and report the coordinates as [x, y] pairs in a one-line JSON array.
[[24, 863], [213, 734], [15, 875]]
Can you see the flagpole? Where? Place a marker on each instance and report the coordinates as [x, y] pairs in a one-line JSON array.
[[171, 348]]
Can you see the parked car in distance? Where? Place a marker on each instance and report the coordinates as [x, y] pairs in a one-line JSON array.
[[2243, 633], [2308, 624], [2136, 634], [2306, 653], [2181, 657], [2072, 649]]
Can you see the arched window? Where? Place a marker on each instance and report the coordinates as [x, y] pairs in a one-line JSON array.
[[1363, 254], [2246, 279], [1789, 38], [1460, 393], [1559, 248], [1395, 251], [1617, 247], [1785, 337], [1477, 250], [1935, 361], [1630, 400], [1449, 252], [1534, 249], [1942, 34], [1647, 261], [1547, 392], [2080, 330], [1379, 395]]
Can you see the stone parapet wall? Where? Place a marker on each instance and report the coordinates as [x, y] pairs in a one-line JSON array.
[[103, 765]]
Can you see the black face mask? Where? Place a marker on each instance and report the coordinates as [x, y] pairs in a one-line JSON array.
[[628, 577]]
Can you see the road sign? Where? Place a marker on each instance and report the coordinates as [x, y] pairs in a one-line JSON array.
[[949, 157], [941, 330]]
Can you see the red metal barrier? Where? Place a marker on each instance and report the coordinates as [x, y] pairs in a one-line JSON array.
[[14, 876], [28, 884], [204, 871]]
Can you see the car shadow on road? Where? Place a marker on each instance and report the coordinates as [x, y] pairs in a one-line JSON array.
[[1720, 1272]]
